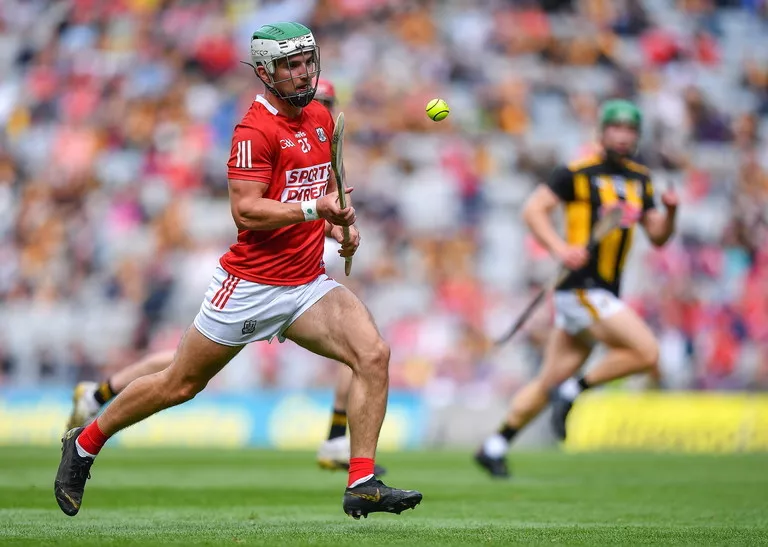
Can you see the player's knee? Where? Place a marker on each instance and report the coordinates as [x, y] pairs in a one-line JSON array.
[[375, 359], [382, 353], [648, 356], [185, 390]]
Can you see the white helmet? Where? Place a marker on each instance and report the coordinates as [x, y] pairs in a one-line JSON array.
[[282, 40]]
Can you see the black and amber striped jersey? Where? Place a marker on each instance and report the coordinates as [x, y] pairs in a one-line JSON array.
[[587, 187]]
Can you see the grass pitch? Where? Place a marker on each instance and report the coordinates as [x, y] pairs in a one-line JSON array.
[[252, 497]]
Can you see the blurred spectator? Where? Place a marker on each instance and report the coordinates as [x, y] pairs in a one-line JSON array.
[[755, 79], [7, 364], [631, 18], [705, 122]]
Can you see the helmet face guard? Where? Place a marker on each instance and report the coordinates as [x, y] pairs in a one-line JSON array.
[[280, 43], [297, 98]]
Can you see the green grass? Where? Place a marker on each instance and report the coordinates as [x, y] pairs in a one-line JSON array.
[[249, 497]]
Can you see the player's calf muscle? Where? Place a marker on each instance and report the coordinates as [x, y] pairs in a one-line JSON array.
[[526, 405]]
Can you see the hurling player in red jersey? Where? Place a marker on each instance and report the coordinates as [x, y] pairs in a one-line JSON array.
[[333, 454], [272, 282]]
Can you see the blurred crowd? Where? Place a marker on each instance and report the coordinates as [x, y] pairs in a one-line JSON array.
[[117, 121]]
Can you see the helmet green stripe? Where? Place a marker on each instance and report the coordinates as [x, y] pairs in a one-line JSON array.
[[619, 111], [280, 31]]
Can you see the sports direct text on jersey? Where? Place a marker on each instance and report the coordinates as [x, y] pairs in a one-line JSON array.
[[306, 183]]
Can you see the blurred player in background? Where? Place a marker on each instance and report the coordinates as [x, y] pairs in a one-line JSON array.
[[326, 95], [272, 282], [90, 397], [587, 304], [333, 454]]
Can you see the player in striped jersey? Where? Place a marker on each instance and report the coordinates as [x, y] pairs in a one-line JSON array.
[[587, 305]]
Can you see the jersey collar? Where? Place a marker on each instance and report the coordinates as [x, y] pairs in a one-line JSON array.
[[265, 102]]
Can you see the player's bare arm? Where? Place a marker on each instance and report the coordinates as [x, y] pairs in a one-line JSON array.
[[537, 215], [252, 211], [660, 226]]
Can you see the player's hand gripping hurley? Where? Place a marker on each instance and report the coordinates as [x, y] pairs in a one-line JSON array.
[[605, 225], [337, 163]]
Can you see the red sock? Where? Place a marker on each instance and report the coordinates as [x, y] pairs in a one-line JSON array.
[[91, 438], [359, 468]]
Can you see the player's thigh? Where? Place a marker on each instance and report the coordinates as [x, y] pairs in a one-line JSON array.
[[624, 329], [564, 354], [198, 359], [338, 326]]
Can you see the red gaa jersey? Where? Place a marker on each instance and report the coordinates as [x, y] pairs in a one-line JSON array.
[[292, 158]]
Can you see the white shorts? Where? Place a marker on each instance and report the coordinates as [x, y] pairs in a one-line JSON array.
[[577, 309], [236, 312]]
